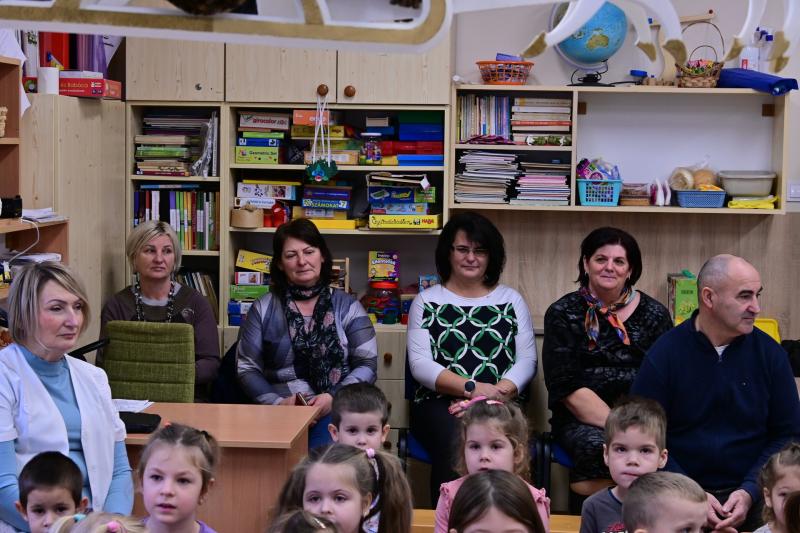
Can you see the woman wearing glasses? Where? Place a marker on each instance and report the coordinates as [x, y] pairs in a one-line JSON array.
[[470, 336]]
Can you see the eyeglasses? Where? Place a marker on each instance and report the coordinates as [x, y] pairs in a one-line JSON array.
[[465, 251]]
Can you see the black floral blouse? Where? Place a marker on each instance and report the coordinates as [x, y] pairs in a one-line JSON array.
[[610, 368]]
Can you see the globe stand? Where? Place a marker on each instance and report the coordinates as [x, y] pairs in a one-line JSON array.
[[591, 79]]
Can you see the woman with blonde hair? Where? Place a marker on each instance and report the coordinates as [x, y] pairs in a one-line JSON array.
[[154, 254]]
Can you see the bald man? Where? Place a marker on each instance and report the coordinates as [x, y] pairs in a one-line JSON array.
[[728, 392]]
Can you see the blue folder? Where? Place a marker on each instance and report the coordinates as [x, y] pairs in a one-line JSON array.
[[759, 81]]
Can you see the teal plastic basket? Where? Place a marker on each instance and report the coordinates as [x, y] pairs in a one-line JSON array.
[[599, 192], [701, 198]]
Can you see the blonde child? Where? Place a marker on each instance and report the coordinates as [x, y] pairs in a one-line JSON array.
[[98, 523], [341, 482], [635, 440], [360, 416], [779, 476], [494, 500], [493, 436], [50, 487], [175, 473], [300, 521], [665, 502]]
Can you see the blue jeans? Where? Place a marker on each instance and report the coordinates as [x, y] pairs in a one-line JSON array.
[[318, 434]]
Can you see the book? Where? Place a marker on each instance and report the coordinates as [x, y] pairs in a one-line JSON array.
[[540, 109], [539, 123], [544, 101], [262, 134], [553, 127]]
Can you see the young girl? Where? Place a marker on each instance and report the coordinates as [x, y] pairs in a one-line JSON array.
[[98, 523], [299, 521], [175, 472], [494, 436], [494, 500], [349, 486], [779, 476]]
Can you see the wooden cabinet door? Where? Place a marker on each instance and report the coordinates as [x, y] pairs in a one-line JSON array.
[[396, 78], [160, 69], [270, 74]]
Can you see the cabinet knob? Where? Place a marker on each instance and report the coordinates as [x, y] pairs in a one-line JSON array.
[[198, 87], [387, 358], [349, 91], [322, 89]]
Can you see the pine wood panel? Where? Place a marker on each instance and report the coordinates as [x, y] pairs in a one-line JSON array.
[[396, 78], [391, 354], [543, 250], [269, 74], [160, 69]]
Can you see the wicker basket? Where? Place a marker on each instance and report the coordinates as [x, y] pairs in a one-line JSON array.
[[3, 113], [687, 78], [504, 72]]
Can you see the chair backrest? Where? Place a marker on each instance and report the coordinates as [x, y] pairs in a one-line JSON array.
[[150, 361]]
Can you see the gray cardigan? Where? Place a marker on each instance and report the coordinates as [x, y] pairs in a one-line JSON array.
[[264, 356]]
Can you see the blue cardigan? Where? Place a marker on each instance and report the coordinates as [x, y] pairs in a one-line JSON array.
[[725, 414]]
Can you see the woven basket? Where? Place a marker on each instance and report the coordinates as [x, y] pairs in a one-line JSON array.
[[3, 113], [504, 72], [686, 78]]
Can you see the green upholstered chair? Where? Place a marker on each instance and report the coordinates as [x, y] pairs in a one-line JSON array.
[[150, 361]]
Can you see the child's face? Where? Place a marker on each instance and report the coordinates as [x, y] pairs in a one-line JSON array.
[[677, 515], [776, 498], [331, 492], [494, 521], [632, 453], [171, 486], [362, 430], [46, 505], [488, 448]]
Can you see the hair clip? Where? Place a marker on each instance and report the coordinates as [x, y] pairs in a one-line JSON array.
[[114, 527], [77, 517], [463, 405]]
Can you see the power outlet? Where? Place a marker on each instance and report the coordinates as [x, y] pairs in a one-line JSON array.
[[794, 192]]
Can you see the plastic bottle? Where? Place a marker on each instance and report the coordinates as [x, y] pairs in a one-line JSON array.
[[748, 59], [764, 52]]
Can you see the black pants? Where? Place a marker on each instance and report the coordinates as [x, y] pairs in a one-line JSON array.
[[437, 430], [753, 520]]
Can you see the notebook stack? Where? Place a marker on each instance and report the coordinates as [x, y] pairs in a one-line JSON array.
[[539, 115], [486, 177], [542, 184]]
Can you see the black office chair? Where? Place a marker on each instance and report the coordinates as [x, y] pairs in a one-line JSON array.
[[80, 353], [407, 444]]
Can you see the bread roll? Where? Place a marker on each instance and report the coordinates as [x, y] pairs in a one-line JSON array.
[[681, 179], [704, 176]]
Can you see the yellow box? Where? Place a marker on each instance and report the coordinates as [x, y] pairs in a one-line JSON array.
[[324, 223], [770, 327], [253, 261], [405, 221], [266, 155], [342, 157], [301, 130]]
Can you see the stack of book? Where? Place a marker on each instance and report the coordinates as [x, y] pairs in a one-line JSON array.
[[486, 177], [203, 283], [261, 137], [483, 115], [542, 184], [401, 201], [539, 116], [192, 213], [172, 141], [250, 282]]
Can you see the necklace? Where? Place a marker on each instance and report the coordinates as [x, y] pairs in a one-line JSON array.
[[137, 292]]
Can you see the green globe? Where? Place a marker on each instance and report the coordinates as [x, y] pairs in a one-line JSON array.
[[597, 40]]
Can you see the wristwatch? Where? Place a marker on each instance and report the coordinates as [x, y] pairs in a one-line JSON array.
[[469, 386]]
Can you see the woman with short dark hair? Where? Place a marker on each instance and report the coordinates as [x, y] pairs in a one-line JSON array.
[[594, 341], [304, 340], [470, 336]]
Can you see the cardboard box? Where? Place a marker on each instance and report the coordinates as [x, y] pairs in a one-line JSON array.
[[322, 203], [387, 194], [405, 221], [302, 130], [275, 121], [342, 157], [248, 278], [383, 266], [256, 141], [253, 261], [322, 223], [266, 190], [265, 155], [308, 117], [681, 296], [248, 292], [399, 209], [90, 88]]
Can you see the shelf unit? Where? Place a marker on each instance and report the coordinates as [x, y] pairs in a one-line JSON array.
[[18, 234], [639, 128]]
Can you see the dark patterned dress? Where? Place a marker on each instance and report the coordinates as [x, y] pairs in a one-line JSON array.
[[608, 370]]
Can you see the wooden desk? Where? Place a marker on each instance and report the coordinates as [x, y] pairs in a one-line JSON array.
[[259, 446], [422, 522]]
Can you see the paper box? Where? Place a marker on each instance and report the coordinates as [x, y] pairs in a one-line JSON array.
[[91, 88], [253, 261], [342, 157], [302, 130], [386, 194], [265, 155], [248, 292], [248, 278], [405, 221], [681, 296], [275, 121], [308, 117], [383, 266]]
